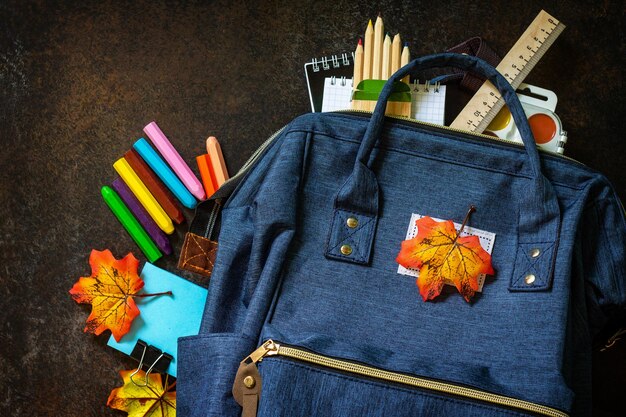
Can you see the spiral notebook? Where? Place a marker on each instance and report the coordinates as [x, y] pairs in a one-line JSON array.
[[317, 70], [427, 100]]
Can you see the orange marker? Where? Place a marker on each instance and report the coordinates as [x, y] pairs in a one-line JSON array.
[[207, 175], [217, 161]]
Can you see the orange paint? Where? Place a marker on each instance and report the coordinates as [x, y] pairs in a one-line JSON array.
[[543, 127]]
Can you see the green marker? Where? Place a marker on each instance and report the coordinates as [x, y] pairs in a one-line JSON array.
[[130, 223]]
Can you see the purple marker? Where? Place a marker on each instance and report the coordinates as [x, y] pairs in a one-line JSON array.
[[142, 215]]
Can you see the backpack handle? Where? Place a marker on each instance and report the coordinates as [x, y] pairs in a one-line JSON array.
[[464, 62], [539, 223]]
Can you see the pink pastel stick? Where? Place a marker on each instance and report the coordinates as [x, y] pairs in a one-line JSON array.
[[175, 160]]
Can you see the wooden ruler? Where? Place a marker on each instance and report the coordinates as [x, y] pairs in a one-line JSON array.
[[515, 66]]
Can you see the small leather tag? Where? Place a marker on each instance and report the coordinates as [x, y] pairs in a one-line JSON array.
[[198, 254], [247, 388]]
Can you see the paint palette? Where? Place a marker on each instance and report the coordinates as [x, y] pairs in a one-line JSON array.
[[539, 105]]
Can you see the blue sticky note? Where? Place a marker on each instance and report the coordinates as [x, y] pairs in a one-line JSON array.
[[165, 318]]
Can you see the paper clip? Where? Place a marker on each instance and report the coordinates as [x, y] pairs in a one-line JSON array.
[[160, 360]]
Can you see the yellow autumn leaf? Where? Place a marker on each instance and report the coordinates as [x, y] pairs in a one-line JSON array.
[[152, 400], [440, 253]]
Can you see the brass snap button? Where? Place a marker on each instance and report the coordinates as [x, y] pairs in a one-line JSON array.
[[535, 252], [352, 222], [249, 381], [346, 249], [529, 279]]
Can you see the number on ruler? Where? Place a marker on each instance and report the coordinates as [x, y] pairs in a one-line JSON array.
[[514, 67]]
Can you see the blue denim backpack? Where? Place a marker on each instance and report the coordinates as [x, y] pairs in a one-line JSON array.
[[308, 315]]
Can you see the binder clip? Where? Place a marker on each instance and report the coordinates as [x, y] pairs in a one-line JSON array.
[[149, 356]]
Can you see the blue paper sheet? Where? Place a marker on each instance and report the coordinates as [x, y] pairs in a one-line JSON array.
[[165, 318]]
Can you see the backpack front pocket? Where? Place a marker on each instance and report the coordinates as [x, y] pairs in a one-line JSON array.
[[296, 382]]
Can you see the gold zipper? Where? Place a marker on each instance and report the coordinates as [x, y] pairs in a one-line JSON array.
[[255, 155], [272, 348], [268, 142]]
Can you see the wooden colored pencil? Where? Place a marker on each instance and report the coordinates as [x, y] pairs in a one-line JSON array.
[[396, 52], [379, 28], [368, 49], [358, 70], [386, 61], [406, 57]]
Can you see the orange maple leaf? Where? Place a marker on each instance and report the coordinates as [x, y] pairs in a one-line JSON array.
[[110, 290], [151, 400], [440, 253]]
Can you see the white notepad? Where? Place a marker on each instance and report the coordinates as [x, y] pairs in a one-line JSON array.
[[427, 101], [337, 93]]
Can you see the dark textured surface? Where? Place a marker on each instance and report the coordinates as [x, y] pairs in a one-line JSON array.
[[79, 81]]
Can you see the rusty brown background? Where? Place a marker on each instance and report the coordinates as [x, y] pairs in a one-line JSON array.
[[79, 80]]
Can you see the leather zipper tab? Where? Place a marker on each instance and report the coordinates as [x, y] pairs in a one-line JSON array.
[[247, 385], [247, 388]]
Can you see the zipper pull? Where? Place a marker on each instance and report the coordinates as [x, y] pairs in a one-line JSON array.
[[247, 385], [611, 340], [269, 348]]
